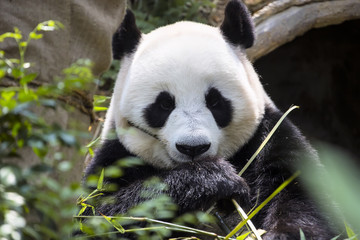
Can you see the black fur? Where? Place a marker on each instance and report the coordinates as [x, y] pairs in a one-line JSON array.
[[292, 209], [237, 26], [158, 112], [126, 38], [220, 107], [198, 185]]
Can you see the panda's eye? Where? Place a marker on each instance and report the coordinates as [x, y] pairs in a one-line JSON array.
[[167, 105], [219, 106], [158, 112], [211, 103], [213, 98]]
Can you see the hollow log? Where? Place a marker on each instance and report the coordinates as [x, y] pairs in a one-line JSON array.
[[282, 21]]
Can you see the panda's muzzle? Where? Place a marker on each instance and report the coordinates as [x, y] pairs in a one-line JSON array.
[[193, 151]]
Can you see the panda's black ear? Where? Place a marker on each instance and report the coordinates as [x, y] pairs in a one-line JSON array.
[[238, 27], [126, 38]]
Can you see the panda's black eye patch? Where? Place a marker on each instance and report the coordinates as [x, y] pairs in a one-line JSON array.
[[219, 106], [158, 112]]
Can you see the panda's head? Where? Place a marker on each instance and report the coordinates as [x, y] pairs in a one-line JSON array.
[[186, 91]]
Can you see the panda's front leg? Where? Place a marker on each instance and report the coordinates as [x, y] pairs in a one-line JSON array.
[[193, 186], [285, 219], [200, 184], [292, 210]]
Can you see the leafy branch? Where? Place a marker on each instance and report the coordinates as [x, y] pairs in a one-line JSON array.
[[17, 67]]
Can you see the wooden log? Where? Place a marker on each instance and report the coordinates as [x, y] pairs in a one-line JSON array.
[[282, 21]]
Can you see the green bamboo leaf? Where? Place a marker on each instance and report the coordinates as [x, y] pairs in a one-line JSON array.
[[15, 129], [23, 44], [7, 95], [51, 23], [100, 109], [81, 226], [302, 235], [28, 78], [85, 206], [350, 233], [101, 180], [2, 73], [115, 223], [243, 236], [20, 143], [92, 143], [82, 210], [91, 152], [267, 200], [100, 99], [27, 96], [93, 209], [266, 139], [10, 35], [34, 35], [16, 73], [249, 223]]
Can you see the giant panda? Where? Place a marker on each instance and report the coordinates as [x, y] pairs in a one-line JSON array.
[[189, 104]]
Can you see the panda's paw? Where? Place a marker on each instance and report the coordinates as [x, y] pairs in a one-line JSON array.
[[236, 189], [200, 185], [225, 184]]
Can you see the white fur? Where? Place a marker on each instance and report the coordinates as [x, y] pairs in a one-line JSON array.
[[185, 59]]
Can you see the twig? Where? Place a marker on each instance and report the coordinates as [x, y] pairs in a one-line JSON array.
[[172, 225], [244, 216], [267, 200]]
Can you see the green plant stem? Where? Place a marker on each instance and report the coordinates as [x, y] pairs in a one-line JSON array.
[[154, 228], [244, 216], [261, 146], [135, 230], [172, 225], [267, 200], [266, 139]]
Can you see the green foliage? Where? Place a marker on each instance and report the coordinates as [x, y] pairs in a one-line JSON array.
[[17, 68], [100, 103], [339, 182], [267, 200], [34, 204], [155, 13], [157, 206]]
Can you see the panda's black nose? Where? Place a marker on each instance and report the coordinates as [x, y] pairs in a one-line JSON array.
[[192, 151]]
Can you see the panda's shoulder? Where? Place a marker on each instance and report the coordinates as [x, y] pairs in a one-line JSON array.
[[286, 133], [111, 153], [287, 136], [286, 139]]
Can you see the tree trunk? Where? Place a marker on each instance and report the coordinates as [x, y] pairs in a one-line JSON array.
[[282, 21], [89, 26]]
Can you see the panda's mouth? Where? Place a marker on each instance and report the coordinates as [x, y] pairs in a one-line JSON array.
[[179, 158]]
